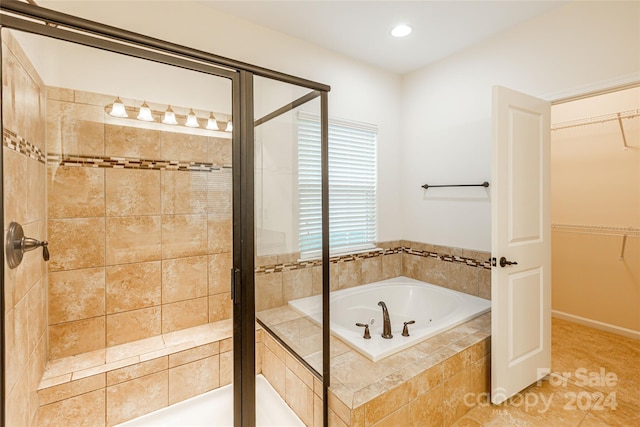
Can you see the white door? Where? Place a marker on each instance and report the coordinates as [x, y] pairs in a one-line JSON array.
[[520, 237]]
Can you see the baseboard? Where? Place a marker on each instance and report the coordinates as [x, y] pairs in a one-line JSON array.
[[630, 333]]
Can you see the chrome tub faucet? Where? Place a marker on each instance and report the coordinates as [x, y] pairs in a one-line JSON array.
[[386, 322]]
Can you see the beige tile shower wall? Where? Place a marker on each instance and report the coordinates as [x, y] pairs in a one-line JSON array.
[[25, 287], [138, 247], [281, 278]]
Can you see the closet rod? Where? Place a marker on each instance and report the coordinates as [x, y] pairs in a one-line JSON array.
[[484, 184]]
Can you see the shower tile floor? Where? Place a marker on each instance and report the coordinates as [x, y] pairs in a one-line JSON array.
[[595, 382], [215, 408]]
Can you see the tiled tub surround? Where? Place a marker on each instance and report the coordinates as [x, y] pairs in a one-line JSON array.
[[424, 385], [113, 385], [281, 278], [24, 180], [139, 223]]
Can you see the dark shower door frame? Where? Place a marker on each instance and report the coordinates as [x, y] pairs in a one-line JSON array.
[[40, 21]]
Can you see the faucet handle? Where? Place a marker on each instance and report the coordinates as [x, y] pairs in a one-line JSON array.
[[367, 335], [405, 329], [17, 245], [45, 250]]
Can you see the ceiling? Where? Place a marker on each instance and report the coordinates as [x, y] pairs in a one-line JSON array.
[[361, 29]]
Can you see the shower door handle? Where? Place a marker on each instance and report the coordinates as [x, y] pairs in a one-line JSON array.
[[235, 280]]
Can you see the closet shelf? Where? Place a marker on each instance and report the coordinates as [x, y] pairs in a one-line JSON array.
[[597, 119], [601, 119], [625, 233], [597, 229]]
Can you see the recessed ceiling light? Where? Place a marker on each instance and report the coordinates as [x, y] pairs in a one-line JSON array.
[[401, 30]]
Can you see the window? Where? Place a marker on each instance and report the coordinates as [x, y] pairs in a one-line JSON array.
[[352, 186]]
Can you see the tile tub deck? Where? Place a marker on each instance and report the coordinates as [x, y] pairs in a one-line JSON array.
[[422, 385]]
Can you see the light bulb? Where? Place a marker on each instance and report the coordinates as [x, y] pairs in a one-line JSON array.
[[212, 124], [145, 113], [401, 30], [192, 120], [169, 117], [117, 109]]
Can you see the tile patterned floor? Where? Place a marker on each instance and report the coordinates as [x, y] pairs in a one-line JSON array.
[[595, 382]]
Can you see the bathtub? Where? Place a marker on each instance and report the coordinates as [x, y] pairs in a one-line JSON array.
[[433, 308]]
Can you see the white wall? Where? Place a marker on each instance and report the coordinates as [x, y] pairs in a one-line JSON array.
[[446, 108], [358, 91]]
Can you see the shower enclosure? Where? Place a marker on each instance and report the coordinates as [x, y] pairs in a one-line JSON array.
[[165, 182]]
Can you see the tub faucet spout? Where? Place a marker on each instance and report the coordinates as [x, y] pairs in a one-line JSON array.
[[386, 322]]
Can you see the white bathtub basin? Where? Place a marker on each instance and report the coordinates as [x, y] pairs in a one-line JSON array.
[[433, 308]]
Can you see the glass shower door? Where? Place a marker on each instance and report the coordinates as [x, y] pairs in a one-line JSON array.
[[289, 273]]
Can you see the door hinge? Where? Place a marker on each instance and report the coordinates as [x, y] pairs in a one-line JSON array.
[[235, 281]]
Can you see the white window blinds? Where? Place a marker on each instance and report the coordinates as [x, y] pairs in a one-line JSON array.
[[352, 186]]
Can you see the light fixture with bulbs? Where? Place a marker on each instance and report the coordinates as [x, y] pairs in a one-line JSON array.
[[117, 109], [212, 124], [169, 117], [145, 113], [192, 120]]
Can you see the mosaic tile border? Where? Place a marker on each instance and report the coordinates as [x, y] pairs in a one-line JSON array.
[[277, 268], [131, 163], [450, 258], [17, 143]]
